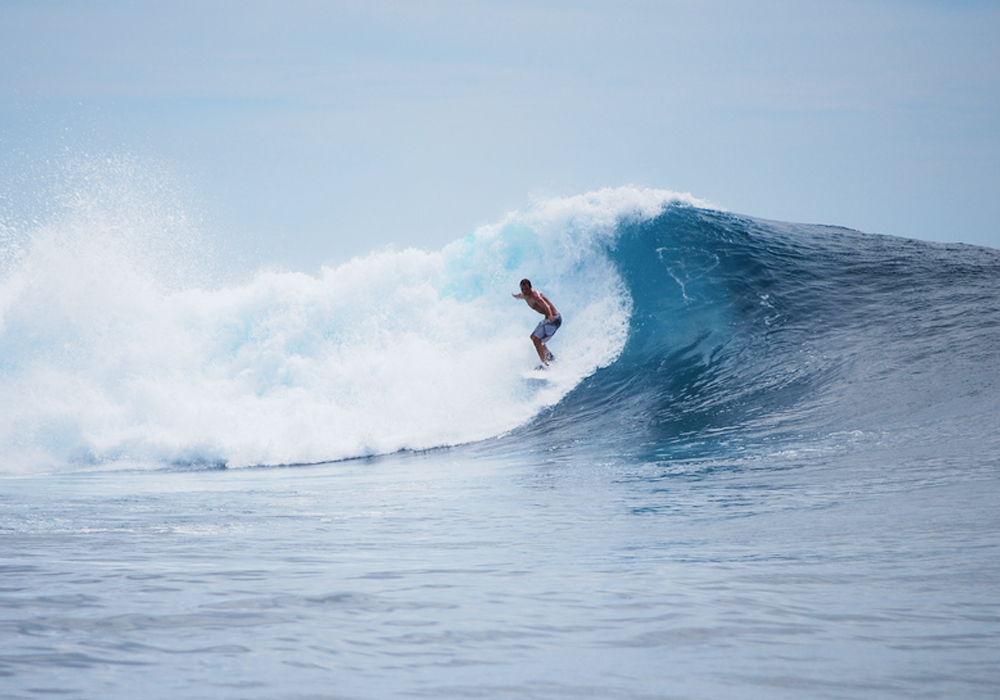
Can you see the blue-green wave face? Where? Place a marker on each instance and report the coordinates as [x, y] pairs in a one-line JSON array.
[[745, 332]]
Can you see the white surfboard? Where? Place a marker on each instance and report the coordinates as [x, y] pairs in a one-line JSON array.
[[540, 373]]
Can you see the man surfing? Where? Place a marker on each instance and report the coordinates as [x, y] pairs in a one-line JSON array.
[[547, 327]]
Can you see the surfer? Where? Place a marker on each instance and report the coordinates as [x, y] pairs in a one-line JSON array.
[[548, 326]]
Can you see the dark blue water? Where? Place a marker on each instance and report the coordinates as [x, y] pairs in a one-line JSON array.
[[782, 482], [748, 332]]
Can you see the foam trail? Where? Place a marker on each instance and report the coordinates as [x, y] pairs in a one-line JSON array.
[[109, 360]]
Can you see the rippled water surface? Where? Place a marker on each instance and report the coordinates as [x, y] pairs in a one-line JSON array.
[[460, 573]]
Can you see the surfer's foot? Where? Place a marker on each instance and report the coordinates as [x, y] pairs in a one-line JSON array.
[[549, 357]]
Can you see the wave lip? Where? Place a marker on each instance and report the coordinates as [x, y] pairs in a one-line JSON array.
[[748, 332]]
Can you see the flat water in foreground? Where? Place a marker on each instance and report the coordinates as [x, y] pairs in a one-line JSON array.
[[477, 573]]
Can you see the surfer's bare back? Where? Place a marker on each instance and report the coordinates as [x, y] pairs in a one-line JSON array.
[[548, 326]]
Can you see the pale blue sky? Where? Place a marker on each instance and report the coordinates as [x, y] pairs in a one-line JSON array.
[[320, 130]]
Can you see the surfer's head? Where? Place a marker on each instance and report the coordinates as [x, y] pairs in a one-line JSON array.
[[525, 285]]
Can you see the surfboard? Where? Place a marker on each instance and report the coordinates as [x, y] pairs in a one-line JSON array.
[[537, 374]]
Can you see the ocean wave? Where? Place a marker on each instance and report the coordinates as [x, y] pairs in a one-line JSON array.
[[105, 363], [685, 325]]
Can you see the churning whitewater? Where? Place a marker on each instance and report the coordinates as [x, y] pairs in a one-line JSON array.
[[111, 357]]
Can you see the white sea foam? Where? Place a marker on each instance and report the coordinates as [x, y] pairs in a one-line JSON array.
[[108, 359]]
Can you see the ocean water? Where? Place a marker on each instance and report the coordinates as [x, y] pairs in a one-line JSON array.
[[764, 465]]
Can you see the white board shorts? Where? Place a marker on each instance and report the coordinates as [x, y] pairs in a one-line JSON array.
[[546, 329]]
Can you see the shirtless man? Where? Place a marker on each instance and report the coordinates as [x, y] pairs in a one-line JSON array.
[[548, 326]]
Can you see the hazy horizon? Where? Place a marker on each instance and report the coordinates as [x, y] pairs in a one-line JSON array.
[[319, 131]]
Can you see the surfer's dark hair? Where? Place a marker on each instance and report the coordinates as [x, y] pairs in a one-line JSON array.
[[526, 281]]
